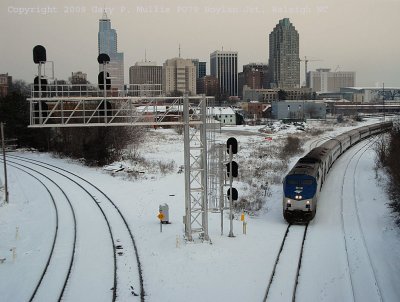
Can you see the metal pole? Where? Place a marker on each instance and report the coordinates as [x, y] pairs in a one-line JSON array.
[[186, 135], [384, 114], [40, 92], [231, 193], [204, 173], [105, 91], [221, 185], [4, 162]]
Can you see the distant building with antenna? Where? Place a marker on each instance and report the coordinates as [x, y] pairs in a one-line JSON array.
[[107, 43], [179, 76]]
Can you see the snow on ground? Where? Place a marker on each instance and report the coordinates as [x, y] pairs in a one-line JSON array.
[[228, 269]]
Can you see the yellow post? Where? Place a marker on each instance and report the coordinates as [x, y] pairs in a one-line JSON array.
[[244, 223]]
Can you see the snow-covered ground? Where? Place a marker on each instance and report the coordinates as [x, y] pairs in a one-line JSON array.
[[347, 257]]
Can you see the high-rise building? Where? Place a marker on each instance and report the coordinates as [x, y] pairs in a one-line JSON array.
[[324, 80], [284, 60], [224, 67], [179, 76], [254, 76], [200, 68], [107, 43], [145, 78]]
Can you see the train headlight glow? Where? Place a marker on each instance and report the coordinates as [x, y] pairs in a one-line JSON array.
[[298, 197]]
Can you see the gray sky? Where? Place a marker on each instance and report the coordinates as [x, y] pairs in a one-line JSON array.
[[361, 36]]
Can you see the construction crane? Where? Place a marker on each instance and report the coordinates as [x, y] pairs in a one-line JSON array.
[[305, 66]]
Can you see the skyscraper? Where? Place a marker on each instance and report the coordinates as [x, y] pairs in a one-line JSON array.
[[107, 43], [224, 67], [284, 61], [200, 68]]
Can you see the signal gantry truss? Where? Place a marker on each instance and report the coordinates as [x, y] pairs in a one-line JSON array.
[[86, 106]]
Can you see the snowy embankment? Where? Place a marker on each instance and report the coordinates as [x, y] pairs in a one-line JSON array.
[[228, 269]]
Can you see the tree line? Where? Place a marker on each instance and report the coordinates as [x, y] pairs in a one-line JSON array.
[[387, 151], [95, 145]]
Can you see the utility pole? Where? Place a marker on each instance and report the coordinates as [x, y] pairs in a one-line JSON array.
[[4, 162], [384, 113]]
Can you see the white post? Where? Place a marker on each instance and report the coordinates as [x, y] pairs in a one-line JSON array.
[[4, 162], [221, 186], [186, 134], [231, 193]]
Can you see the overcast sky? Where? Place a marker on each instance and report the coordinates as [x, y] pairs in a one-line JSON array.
[[361, 36]]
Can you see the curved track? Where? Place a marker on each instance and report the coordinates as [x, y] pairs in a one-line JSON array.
[[285, 267], [361, 268], [57, 242], [126, 283]]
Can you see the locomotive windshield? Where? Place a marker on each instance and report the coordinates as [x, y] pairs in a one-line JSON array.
[[299, 182], [299, 185]]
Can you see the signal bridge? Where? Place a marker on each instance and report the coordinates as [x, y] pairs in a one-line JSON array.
[[53, 105]]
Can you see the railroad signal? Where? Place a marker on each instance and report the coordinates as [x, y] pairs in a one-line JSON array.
[[232, 142], [235, 169], [235, 194], [39, 54], [100, 79], [43, 84], [103, 58]]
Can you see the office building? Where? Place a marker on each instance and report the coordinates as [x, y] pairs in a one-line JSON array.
[[326, 81], [78, 78], [224, 68], [5, 83], [254, 76], [284, 61], [179, 76], [208, 85], [108, 44], [201, 70], [145, 78]]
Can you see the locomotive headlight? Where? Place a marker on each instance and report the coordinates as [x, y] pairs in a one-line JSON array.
[[298, 197], [307, 202], [288, 201]]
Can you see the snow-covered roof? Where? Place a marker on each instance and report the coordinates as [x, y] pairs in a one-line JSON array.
[[223, 110]]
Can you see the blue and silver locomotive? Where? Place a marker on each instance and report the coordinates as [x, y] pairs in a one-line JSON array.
[[302, 184]]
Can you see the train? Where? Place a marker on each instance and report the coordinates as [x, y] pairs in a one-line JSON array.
[[303, 183]]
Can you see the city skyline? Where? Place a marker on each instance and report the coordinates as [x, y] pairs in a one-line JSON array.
[[344, 36]]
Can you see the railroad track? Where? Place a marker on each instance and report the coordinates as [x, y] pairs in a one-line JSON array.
[[53, 262], [287, 265], [127, 284], [361, 270]]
